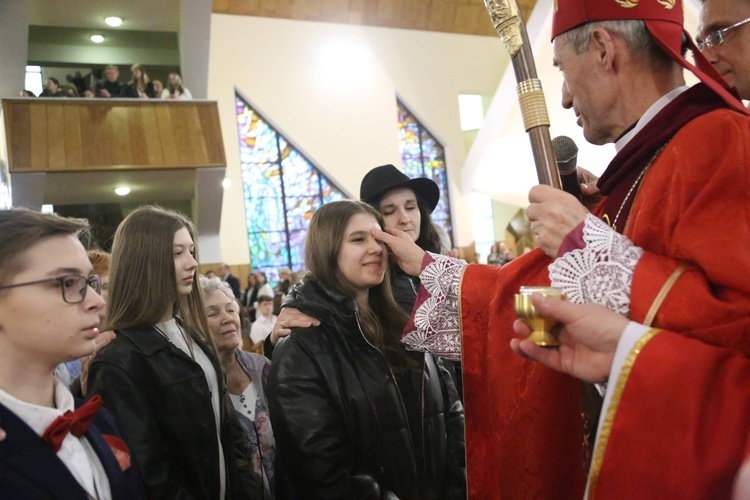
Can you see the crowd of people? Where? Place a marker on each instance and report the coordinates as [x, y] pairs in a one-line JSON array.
[[110, 85], [358, 400]]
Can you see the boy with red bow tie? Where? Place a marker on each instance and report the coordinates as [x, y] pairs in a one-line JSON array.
[[56, 446]]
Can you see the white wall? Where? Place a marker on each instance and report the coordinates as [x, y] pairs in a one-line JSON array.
[[342, 113]]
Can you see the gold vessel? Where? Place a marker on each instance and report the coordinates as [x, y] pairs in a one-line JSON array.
[[541, 327]]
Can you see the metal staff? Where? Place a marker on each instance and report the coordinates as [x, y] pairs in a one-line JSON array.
[[512, 31]]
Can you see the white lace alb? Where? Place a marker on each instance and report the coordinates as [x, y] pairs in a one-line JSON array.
[[602, 271], [437, 318]]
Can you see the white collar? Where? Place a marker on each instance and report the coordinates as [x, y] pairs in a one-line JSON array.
[[36, 416], [649, 115]]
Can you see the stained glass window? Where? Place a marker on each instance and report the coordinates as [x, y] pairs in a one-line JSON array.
[[423, 156], [282, 189]]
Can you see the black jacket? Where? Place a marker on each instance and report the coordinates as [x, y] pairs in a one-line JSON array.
[[405, 288], [161, 399], [340, 422], [29, 468]]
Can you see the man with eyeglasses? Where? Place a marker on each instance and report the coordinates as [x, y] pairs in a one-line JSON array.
[[724, 39], [56, 446]]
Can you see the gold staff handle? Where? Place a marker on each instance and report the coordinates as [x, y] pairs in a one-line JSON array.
[[512, 31]]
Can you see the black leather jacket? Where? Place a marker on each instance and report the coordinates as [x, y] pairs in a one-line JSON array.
[[405, 288], [340, 422], [162, 401]]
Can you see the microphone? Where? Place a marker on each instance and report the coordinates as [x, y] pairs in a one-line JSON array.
[[566, 156]]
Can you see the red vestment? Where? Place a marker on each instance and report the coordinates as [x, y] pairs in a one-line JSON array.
[[678, 425], [692, 208]]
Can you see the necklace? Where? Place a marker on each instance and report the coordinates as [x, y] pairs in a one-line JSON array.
[[635, 185], [188, 341]]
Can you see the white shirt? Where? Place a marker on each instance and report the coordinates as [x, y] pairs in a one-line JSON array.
[[174, 334], [76, 453], [261, 327]]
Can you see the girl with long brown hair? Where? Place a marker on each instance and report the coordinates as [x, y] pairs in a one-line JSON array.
[[160, 376], [354, 414]]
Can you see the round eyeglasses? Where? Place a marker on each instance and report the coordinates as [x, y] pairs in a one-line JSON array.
[[717, 37], [72, 286]]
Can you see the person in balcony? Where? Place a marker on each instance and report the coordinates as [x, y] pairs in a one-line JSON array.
[[175, 89]]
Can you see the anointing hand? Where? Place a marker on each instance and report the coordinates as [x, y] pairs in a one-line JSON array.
[[588, 338], [553, 214], [405, 252]]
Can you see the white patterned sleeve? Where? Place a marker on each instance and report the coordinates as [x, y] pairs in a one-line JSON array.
[[602, 271], [434, 326]]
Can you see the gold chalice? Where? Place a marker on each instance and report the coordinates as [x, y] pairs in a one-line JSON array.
[[541, 327]]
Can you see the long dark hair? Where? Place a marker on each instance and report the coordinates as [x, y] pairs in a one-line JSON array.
[[429, 239], [142, 280], [383, 321]]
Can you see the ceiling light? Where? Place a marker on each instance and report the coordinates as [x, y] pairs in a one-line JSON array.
[[113, 21], [122, 191], [226, 183], [97, 38]]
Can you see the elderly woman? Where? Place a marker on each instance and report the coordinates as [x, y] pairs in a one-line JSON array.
[[246, 377]]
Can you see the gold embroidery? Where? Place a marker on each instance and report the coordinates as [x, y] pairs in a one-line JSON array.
[[601, 441], [605, 218], [627, 4], [665, 289], [668, 4], [556, 6]]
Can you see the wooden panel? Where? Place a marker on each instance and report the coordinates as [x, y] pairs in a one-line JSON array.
[[87, 134], [138, 132], [209, 118], [91, 122], [451, 16], [56, 145], [154, 154], [38, 138], [18, 122], [167, 136], [73, 140], [117, 120]]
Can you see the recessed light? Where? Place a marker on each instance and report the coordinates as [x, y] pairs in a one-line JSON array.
[[122, 191], [97, 38], [113, 21]]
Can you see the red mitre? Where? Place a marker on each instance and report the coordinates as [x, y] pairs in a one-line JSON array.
[[664, 20]]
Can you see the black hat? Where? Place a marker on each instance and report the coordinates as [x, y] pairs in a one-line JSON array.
[[384, 178]]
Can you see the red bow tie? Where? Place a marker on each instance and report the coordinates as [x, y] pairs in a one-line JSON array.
[[76, 422]]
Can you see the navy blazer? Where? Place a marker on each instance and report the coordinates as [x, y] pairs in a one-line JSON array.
[[30, 468]]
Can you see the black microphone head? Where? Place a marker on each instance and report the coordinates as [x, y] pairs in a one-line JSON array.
[[566, 153]]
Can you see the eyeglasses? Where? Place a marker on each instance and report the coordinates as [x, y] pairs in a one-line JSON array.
[[72, 286], [716, 38]]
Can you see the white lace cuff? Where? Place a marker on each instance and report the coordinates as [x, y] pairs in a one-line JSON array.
[[602, 271], [436, 319]]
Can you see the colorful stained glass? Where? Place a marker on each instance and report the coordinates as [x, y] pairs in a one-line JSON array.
[[281, 189], [423, 156]]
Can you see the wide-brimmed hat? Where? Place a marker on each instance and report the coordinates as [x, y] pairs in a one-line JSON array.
[[384, 178]]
